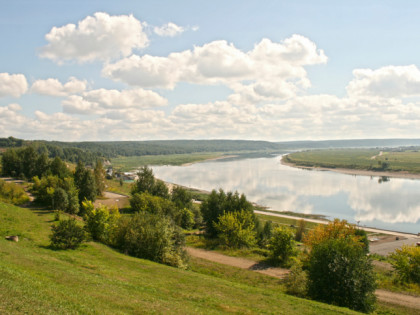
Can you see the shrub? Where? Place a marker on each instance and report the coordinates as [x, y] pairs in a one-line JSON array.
[[296, 281], [300, 231], [282, 245], [406, 262], [236, 229], [340, 273], [151, 236], [217, 203], [67, 234], [100, 222], [187, 219], [12, 193]]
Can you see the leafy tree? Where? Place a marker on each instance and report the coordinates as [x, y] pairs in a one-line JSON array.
[[282, 245], [300, 231], [236, 229], [11, 163], [12, 193], [338, 229], [340, 273], [67, 234], [42, 165], [85, 183], [60, 199], [220, 202], [406, 261], [146, 182], [59, 168], [265, 232], [151, 236], [186, 218], [297, 280], [181, 198], [29, 162], [99, 173], [146, 202], [100, 222]]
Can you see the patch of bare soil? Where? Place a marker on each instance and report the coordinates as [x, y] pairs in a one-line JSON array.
[[382, 295], [238, 262], [112, 199], [399, 299]]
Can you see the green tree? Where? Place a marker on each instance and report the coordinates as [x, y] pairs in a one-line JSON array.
[[340, 273], [99, 173], [181, 198], [11, 163], [236, 229], [60, 199], [85, 183], [146, 182], [151, 236], [217, 203], [100, 222], [67, 234], [59, 168], [282, 245], [406, 262]]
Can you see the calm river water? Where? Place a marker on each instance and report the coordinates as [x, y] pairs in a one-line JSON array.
[[393, 204]]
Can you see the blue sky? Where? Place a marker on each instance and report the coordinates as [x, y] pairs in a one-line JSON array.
[[271, 70]]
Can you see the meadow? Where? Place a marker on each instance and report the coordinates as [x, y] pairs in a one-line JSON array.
[[407, 160], [97, 279]]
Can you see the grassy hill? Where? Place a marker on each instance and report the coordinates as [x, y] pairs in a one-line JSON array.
[[96, 279]]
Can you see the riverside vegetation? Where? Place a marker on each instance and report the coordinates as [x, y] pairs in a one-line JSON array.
[[153, 231]]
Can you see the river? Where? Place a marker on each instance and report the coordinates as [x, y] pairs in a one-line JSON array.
[[392, 204]]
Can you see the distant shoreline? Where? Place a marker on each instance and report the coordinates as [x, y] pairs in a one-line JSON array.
[[349, 171]]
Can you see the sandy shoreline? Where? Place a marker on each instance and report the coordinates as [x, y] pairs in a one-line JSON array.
[[347, 171]]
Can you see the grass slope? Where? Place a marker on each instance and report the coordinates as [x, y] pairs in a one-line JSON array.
[[96, 279]]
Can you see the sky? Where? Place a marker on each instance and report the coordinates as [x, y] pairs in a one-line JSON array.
[[257, 70]]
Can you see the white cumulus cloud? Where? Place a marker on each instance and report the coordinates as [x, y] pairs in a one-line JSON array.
[[100, 36], [270, 70], [54, 87], [12, 84], [389, 81], [101, 101], [168, 30]]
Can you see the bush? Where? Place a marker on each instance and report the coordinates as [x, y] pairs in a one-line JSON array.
[[187, 219], [67, 234], [12, 193], [406, 262], [296, 281], [300, 231], [217, 203], [151, 236], [340, 273], [100, 222], [282, 245], [236, 229]]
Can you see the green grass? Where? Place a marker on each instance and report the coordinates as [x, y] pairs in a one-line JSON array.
[[97, 279], [128, 163], [114, 185], [363, 159]]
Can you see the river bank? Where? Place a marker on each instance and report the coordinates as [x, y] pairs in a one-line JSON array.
[[356, 172]]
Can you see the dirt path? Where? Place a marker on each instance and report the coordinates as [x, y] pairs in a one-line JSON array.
[[238, 262], [399, 299], [111, 199], [382, 295]]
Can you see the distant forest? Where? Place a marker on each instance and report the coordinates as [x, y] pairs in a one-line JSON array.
[[88, 152]]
